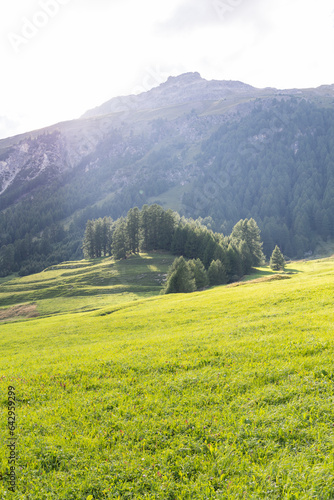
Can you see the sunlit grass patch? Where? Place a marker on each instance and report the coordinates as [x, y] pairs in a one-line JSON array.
[[226, 393], [88, 285]]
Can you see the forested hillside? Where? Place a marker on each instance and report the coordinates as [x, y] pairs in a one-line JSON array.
[[154, 228], [239, 153], [276, 166]]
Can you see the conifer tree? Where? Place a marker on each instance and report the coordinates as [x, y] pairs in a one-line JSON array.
[[179, 240], [107, 230], [277, 262], [199, 272], [217, 273], [88, 242], [167, 228], [234, 269], [120, 241], [98, 237], [180, 279], [132, 228], [150, 224], [246, 257], [255, 243], [209, 252], [247, 231]]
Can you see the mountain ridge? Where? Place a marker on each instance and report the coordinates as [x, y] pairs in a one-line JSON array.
[[176, 90], [120, 104], [193, 86], [203, 148]]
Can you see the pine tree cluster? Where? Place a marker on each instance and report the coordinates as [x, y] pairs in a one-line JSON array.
[[213, 258]]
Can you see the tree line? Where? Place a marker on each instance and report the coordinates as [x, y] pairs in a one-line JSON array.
[[30, 254], [213, 257]]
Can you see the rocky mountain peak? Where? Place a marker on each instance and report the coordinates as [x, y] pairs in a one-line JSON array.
[[177, 90], [184, 78]]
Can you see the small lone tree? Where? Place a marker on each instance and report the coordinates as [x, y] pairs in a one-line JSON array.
[[277, 262], [180, 278]]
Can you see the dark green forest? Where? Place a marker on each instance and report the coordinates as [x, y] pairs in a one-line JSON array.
[[274, 164], [226, 258]]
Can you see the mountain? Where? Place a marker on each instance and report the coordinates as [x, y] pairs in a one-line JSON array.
[[183, 89], [219, 150]]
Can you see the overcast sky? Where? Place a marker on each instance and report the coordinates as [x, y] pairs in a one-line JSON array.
[[62, 57]]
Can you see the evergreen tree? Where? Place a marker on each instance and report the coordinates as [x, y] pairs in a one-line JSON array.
[[132, 228], [248, 232], [88, 241], [154, 229], [120, 241], [107, 230], [98, 237], [245, 257], [167, 226], [179, 240], [277, 262], [145, 226], [216, 273], [255, 244], [150, 222], [180, 278], [199, 272], [209, 251], [192, 243], [234, 266]]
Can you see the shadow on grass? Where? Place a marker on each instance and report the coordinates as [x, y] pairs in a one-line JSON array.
[[260, 272]]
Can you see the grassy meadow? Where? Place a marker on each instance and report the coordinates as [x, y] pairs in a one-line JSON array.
[[87, 285], [124, 393]]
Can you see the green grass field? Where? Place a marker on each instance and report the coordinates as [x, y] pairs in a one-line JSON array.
[[87, 285], [124, 393]]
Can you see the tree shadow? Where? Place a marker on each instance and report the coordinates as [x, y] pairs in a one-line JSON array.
[[260, 272]]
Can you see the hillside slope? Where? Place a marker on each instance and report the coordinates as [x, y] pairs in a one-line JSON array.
[[212, 395], [85, 285]]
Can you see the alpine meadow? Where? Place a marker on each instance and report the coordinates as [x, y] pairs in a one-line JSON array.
[[166, 298], [125, 393]]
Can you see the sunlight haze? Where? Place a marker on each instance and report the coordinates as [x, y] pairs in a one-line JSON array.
[[63, 57]]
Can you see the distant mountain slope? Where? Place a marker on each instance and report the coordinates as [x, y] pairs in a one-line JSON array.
[[223, 150]]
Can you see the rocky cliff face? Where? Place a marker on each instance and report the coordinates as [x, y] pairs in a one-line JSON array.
[[50, 152], [24, 162]]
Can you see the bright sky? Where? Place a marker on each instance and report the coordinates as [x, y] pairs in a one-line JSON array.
[[62, 57]]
